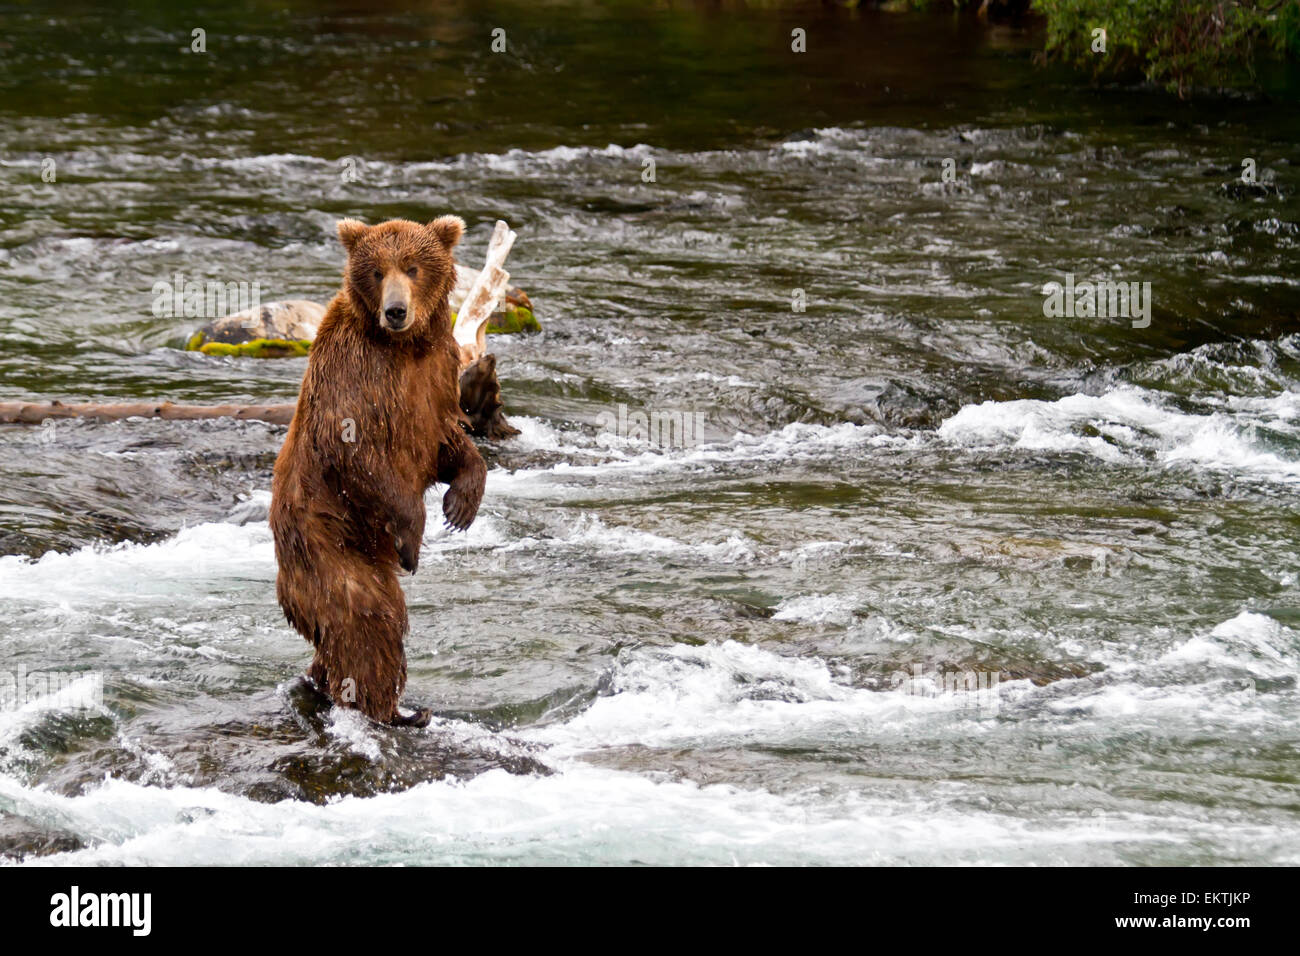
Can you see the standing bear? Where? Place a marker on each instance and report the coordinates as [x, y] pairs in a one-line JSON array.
[[378, 421]]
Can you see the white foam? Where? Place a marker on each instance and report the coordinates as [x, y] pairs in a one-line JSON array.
[[792, 443], [538, 435], [206, 557], [159, 768], [582, 815], [1250, 640], [817, 609], [253, 506], [1127, 706], [590, 533], [355, 731], [1132, 424], [519, 161], [442, 543], [728, 692], [203, 562]]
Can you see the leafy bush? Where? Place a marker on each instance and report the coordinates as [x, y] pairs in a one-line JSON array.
[[1177, 43], [1180, 44]]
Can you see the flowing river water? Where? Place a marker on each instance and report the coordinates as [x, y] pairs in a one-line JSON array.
[[938, 578]]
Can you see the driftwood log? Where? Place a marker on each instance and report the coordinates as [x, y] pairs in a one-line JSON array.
[[480, 400], [34, 413], [476, 294]]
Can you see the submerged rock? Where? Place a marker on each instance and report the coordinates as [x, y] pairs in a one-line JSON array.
[[274, 746], [21, 838]]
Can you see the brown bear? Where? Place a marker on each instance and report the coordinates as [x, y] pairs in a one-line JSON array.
[[377, 422], [480, 400]]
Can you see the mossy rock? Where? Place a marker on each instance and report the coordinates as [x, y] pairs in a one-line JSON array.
[[274, 330], [256, 348], [513, 320], [515, 316]]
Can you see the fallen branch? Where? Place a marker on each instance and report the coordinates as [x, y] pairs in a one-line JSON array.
[[29, 413]]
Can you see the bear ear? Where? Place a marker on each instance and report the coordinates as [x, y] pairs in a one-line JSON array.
[[350, 230], [448, 229]]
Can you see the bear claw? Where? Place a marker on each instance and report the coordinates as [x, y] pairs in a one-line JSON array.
[[458, 512]]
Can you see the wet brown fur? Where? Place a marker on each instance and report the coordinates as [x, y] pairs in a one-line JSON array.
[[348, 514], [480, 400]]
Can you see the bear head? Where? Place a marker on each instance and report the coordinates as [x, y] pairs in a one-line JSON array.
[[399, 273]]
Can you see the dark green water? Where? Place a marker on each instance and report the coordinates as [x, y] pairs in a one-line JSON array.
[[664, 654]]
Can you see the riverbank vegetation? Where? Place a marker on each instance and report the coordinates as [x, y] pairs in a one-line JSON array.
[[1182, 45]]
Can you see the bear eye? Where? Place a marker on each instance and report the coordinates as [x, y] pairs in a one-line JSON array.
[[378, 275], [412, 272]]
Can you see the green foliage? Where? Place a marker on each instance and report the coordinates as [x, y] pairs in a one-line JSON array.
[[1180, 44], [1177, 43]]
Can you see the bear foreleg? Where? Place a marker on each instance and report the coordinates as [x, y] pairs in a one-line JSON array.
[[461, 468]]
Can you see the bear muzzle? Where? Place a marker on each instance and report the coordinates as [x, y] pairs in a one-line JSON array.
[[395, 296]]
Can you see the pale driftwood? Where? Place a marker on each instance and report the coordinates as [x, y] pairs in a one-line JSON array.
[[470, 330], [28, 413], [465, 277]]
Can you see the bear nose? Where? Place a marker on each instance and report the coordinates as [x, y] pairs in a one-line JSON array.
[[396, 314]]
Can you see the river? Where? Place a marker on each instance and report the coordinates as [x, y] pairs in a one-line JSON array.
[[935, 573]]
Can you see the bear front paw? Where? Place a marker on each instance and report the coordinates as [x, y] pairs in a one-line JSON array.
[[459, 509]]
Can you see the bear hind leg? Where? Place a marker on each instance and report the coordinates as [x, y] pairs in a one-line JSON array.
[[360, 660]]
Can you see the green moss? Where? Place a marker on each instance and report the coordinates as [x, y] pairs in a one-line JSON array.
[[195, 343], [258, 348], [510, 322]]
